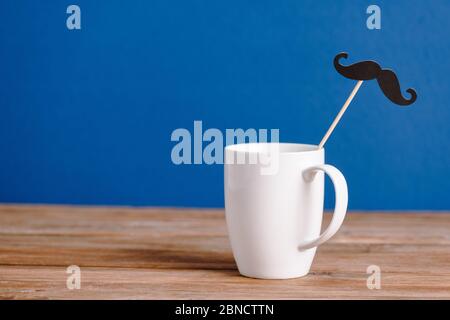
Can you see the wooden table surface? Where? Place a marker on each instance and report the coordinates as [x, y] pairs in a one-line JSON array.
[[153, 253]]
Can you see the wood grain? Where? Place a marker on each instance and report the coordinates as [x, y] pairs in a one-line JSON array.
[[163, 253]]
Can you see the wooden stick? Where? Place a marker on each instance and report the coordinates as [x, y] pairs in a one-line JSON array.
[[340, 114]]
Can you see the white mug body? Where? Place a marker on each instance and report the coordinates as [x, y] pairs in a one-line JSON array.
[[269, 213]]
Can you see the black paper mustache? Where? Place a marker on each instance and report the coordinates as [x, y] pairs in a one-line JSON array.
[[368, 70]]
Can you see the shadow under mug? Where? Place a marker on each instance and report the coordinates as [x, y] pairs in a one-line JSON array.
[[274, 195]]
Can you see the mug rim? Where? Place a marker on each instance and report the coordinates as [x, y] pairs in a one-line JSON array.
[[285, 147]]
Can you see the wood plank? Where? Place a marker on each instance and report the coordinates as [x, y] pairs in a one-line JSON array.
[[117, 283], [184, 253]]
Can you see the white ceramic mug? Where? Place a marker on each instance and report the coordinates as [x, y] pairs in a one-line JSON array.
[[274, 220]]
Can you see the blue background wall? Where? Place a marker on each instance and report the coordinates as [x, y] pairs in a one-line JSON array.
[[86, 116]]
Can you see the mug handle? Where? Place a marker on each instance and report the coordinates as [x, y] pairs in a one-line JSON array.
[[340, 207]]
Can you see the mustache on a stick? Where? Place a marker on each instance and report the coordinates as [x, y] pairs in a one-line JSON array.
[[369, 70]]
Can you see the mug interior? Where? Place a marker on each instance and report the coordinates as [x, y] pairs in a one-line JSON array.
[[265, 147]]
